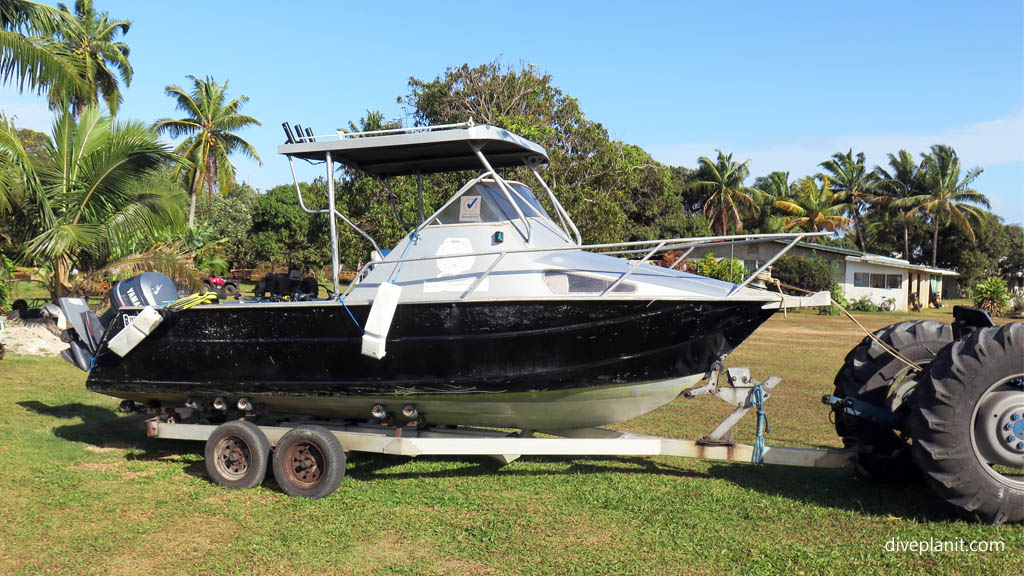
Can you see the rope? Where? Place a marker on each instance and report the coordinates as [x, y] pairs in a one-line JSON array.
[[895, 353], [763, 427]]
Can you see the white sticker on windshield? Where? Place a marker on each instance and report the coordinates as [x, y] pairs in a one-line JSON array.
[[469, 209]]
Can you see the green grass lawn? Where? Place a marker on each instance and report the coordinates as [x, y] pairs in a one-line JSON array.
[[82, 490]]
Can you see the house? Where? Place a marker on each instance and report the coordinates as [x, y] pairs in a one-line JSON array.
[[860, 274]]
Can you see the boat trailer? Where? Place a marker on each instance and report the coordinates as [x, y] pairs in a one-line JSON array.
[[419, 439]]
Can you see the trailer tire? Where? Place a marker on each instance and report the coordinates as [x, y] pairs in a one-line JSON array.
[[873, 375], [959, 424], [309, 462], [237, 454]]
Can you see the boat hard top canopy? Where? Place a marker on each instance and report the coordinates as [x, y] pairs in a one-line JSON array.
[[427, 150]]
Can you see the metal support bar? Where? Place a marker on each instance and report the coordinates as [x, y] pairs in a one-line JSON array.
[[866, 411], [563, 216], [334, 226], [298, 190], [480, 279], [681, 258], [632, 268], [419, 193], [341, 134], [505, 190], [765, 266]]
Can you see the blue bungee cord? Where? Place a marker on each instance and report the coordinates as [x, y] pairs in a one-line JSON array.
[[413, 238], [763, 427]]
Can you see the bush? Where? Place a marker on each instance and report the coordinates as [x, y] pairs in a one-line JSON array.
[[992, 296], [813, 274], [836, 292], [862, 304], [727, 269], [6, 279]]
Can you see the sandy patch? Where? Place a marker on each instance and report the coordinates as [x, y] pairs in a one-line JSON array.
[[31, 339]]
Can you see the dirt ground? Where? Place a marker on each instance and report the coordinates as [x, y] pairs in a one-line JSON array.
[[31, 339]]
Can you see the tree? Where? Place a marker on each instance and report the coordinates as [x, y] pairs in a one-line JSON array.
[[92, 199], [728, 199], [209, 129], [600, 182], [30, 55], [814, 208], [947, 198], [896, 191], [90, 38], [852, 181]]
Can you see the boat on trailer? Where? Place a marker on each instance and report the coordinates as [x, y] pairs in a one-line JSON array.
[[491, 311]]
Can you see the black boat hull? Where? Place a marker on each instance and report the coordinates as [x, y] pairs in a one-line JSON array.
[[525, 364]]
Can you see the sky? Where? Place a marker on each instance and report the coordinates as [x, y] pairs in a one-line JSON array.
[[783, 84]]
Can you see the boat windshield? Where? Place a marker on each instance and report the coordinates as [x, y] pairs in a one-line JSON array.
[[485, 202]]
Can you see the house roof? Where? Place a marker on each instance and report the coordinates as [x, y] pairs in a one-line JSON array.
[[878, 259]]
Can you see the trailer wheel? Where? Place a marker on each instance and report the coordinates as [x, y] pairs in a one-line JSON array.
[[873, 375], [309, 462], [237, 454], [968, 425]]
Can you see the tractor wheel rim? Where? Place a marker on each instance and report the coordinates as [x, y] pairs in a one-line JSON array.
[[232, 457], [997, 430], [304, 464]]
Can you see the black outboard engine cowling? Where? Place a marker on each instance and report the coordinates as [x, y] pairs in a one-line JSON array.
[[85, 331], [146, 289]]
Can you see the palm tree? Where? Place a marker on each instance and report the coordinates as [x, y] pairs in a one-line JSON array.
[[896, 189], [91, 40], [814, 208], [850, 178], [946, 197], [90, 198], [775, 185], [729, 199], [208, 128], [30, 55]]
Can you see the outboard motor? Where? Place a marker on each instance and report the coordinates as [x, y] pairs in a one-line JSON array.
[[84, 332]]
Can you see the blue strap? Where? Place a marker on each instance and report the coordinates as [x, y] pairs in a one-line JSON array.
[[762, 425], [350, 314], [413, 238]]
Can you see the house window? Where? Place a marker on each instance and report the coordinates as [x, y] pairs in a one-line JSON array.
[[878, 280], [861, 279], [893, 281]]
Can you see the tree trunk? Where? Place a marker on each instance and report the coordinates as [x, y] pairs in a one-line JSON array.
[[935, 243], [197, 183], [856, 227], [192, 211], [906, 238]]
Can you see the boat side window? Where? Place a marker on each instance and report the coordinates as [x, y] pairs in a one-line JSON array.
[[485, 202], [563, 282]]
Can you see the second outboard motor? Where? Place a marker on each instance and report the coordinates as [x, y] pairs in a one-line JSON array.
[[84, 331], [146, 289]]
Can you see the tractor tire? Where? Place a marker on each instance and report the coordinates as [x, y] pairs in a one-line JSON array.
[[968, 419], [873, 375], [230, 291]]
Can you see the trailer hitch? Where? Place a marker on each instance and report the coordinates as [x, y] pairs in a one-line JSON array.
[[865, 411]]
